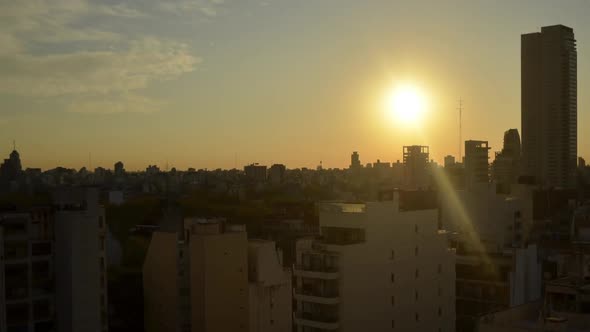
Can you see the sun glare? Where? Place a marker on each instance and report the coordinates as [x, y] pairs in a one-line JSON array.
[[406, 104]]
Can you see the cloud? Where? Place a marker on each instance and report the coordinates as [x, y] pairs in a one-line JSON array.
[[68, 49], [209, 8], [121, 10], [99, 72], [111, 104]]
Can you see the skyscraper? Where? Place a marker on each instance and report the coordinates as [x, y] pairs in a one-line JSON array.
[[549, 105]]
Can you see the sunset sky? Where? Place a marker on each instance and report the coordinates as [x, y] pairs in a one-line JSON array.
[[206, 83]]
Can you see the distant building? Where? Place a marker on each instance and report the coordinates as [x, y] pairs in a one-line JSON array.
[[119, 168], [355, 161], [416, 175], [10, 171], [476, 162], [506, 167], [276, 173], [549, 106], [449, 161], [255, 172], [581, 162], [380, 266]]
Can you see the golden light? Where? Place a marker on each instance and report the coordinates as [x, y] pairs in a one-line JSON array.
[[406, 104]]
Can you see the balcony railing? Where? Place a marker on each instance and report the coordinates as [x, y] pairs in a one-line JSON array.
[[323, 321], [316, 272], [316, 296]]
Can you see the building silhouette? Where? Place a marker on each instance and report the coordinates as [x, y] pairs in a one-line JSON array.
[[476, 162], [416, 166], [506, 166], [549, 105], [355, 161]]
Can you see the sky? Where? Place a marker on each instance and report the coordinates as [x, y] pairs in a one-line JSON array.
[[224, 83]]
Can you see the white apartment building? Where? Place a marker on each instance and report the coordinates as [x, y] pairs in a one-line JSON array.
[[380, 266], [80, 261]]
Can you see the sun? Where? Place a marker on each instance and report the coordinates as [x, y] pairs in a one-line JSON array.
[[406, 104]]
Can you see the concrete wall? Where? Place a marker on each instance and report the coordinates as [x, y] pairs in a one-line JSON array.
[[219, 282], [160, 284], [77, 270]]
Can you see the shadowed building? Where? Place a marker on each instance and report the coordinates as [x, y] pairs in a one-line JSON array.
[[476, 162], [380, 266], [549, 106]]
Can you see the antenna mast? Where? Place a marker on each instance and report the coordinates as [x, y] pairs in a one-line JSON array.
[[460, 129]]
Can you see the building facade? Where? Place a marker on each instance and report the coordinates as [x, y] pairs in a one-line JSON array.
[[381, 266], [549, 105], [476, 162]]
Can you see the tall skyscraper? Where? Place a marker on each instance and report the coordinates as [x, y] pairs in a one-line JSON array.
[[549, 105]]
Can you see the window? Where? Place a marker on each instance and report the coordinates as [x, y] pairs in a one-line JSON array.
[[439, 291], [392, 300], [439, 311], [415, 228], [417, 317], [272, 322], [392, 278], [392, 324], [416, 295], [417, 273], [416, 251], [392, 257]]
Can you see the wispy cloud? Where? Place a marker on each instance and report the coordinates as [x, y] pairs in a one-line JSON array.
[[209, 8], [98, 72], [111, 104], [113, 64]]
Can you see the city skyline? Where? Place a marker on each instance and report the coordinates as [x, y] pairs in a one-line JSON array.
[[182, 90]]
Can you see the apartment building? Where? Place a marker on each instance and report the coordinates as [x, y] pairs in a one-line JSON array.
[[27, 287], [378, 266], [52, 266]]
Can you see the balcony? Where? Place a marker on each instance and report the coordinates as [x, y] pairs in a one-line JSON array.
[[316, 296], [316, 272], [316, 320]]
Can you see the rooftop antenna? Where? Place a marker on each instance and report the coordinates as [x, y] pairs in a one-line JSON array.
[[14, 145], [460, 128], [89, 161]]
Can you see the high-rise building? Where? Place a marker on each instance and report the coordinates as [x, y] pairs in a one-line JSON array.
[[476, 162], [549, 106], [197, 280], [276, 173], [449, 161], [52, 266], [255, 172], [506, 166], [210, 278], [416, 174], [380, 266], [80, 260], [355, 161], [119, 168], [27, 283]]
